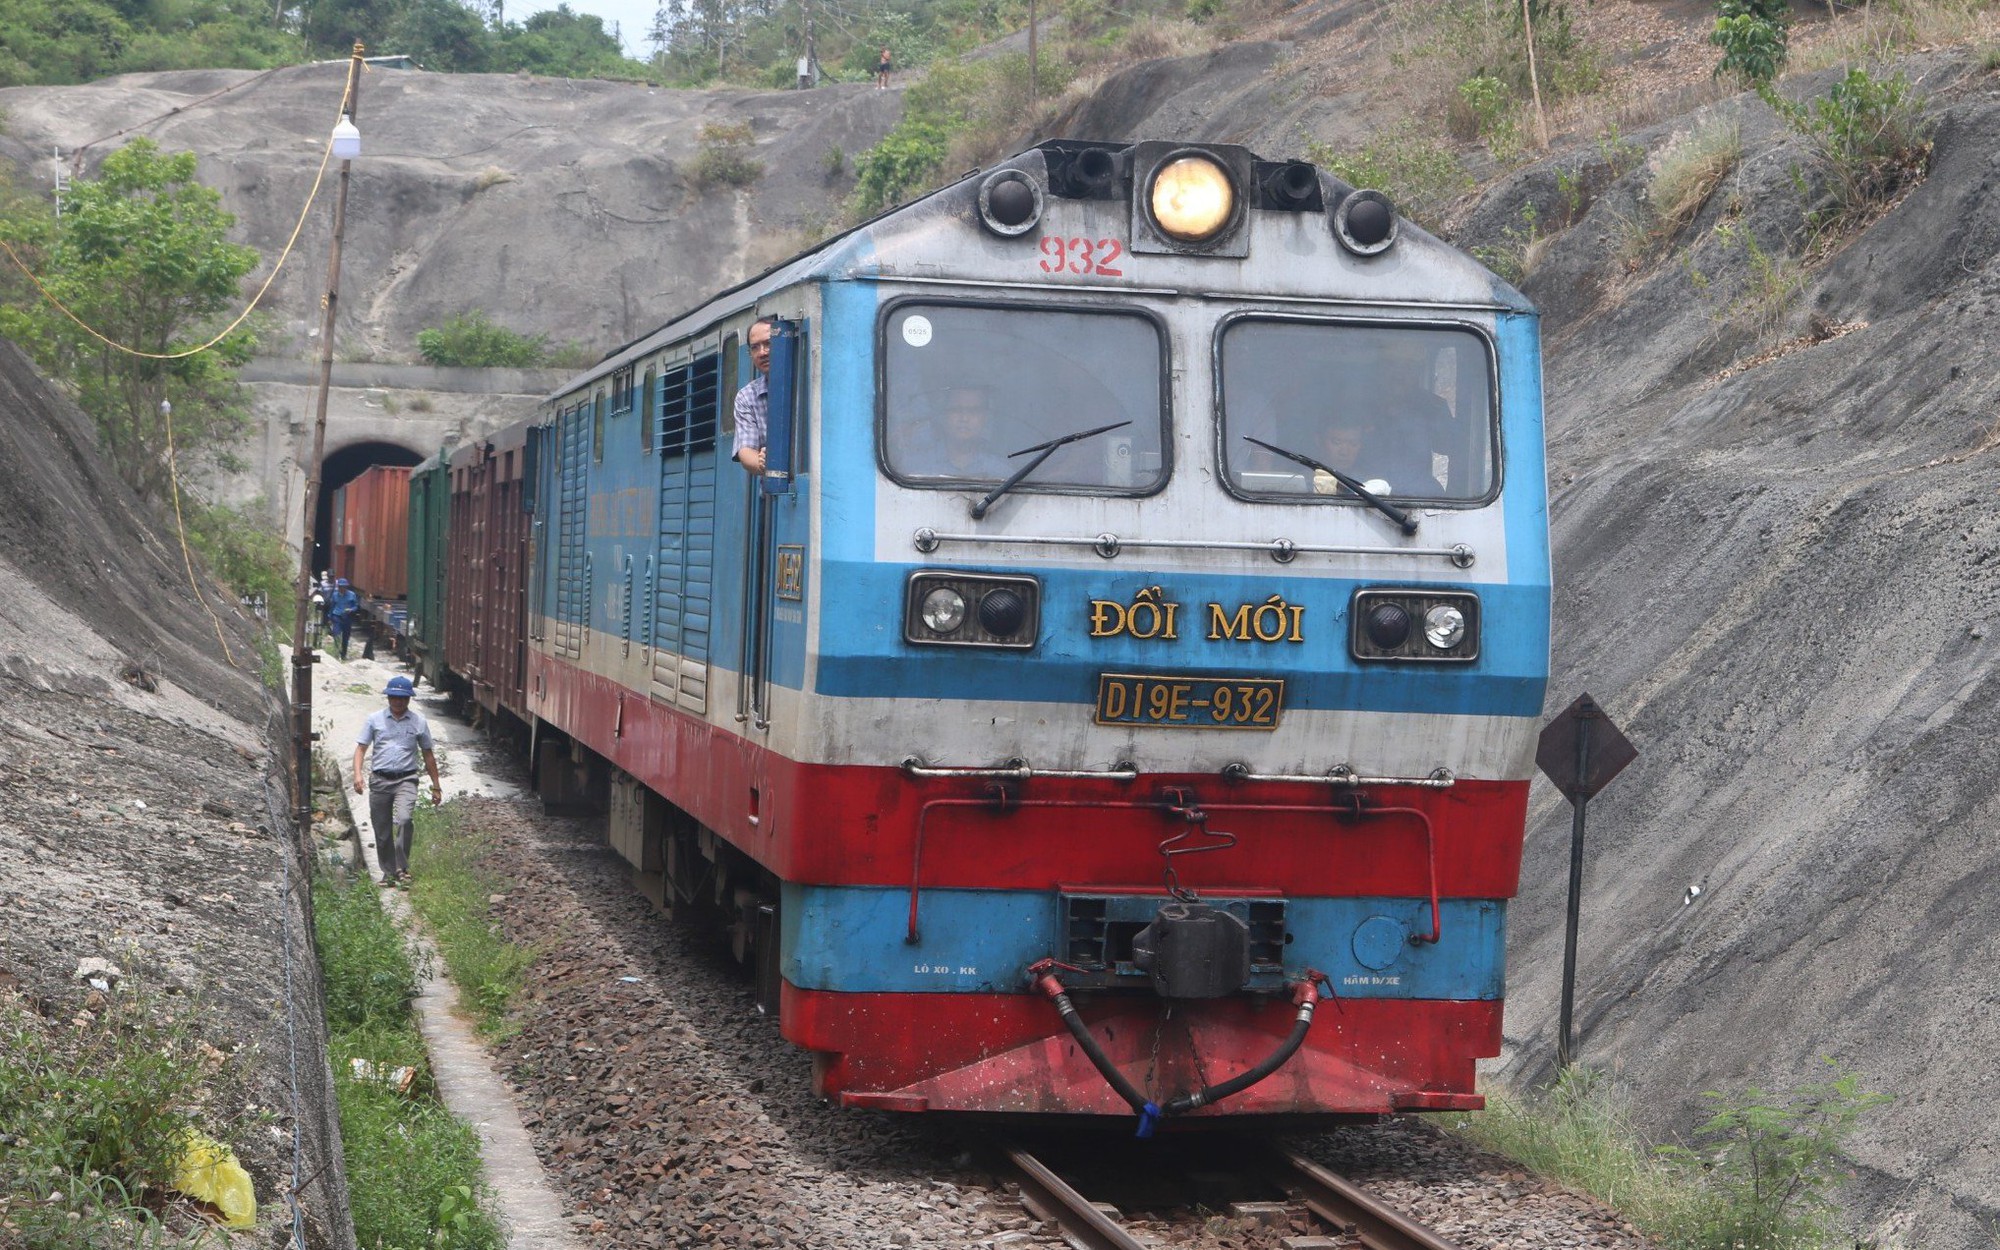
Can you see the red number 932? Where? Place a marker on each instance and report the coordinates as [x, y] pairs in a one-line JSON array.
[[1079, 255]]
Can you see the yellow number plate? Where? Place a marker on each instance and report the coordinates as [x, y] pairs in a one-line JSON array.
[[1190, 702]]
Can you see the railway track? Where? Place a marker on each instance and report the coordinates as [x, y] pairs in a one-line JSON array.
[[1347, 1209]]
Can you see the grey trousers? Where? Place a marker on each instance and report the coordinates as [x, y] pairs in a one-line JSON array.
[[392, 810]]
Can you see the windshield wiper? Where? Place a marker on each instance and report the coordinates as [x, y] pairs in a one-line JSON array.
[[1047, 449], [1387, 509]]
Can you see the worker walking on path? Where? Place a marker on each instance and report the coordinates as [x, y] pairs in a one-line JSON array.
[[398, 735], [340, 612]]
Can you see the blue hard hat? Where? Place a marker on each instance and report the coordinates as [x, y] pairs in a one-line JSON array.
[[400, 687], [340, 581]]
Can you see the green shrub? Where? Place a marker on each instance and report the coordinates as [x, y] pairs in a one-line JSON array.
[[368, 979], [1494, 112], [1761, 1177], [243, 549], [1420, 173], [1869, 133], [1751, 34], [90, 1116], [471, 339], [724, 158]]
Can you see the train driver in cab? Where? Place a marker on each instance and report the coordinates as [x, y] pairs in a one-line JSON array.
[[965, 434], [753, 399]]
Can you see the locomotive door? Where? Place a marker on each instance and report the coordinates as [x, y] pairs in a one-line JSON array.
[[680, 573], [760, 557]]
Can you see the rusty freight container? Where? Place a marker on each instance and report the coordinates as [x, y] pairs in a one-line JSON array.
[[371, 529], [486, 556]]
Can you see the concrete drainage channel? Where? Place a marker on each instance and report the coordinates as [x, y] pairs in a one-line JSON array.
[[527, 1207]]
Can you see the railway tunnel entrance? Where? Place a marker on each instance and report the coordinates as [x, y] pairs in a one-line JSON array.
[[338, 471]]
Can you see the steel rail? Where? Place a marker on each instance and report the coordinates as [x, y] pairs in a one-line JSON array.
[[1340, 1201], [1051, 1198]]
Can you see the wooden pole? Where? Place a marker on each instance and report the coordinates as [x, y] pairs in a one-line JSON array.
[[1534, 78], [303, 657]]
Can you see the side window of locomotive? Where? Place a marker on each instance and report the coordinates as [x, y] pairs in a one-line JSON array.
[[1407, 410], [971, 393]]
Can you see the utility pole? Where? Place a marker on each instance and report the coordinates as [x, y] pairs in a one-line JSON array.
[[1033, 94], [302, 651]]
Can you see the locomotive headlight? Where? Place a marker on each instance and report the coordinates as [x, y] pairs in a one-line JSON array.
[[1192, 198], [963, 608], [1422, 624], [1444, 625], [944, 610]]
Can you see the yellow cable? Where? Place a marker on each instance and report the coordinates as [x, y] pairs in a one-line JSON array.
[[180, 527], [173, 463], [297, 229]]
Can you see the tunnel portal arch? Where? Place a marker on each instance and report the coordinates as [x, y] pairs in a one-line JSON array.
[[337, 469]]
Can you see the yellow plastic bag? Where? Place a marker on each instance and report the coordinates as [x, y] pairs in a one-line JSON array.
[[206, 1169]]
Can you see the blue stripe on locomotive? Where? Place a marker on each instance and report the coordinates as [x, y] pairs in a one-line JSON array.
[[850, 939]]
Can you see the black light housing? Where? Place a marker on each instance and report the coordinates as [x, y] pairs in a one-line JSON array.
[[1289, 187], [1010, 203], [1086, 169], [998, 610], [1365, 223], [1393, 623]]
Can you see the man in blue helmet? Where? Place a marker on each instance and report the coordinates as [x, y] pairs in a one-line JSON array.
[[398, 735], [340, 612]]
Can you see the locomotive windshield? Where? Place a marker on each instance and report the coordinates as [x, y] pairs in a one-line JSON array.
[[969, 387], [1406, 410]]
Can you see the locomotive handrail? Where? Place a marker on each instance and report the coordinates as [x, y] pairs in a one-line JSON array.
[[1109, 546], [1017, 771], [1344, 775]]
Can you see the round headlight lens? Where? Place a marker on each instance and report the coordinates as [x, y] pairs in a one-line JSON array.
[[1444, 626], [1192, 198], [1388, 626], [944, 610]]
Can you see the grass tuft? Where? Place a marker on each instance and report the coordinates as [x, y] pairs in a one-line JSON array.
[[413, 1169], [450, 891], [91, 1113], [1760, 1175]]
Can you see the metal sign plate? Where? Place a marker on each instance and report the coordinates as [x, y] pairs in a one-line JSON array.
[[1604, 753]]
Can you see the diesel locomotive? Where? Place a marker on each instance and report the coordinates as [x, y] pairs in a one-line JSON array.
[[1118, 694]]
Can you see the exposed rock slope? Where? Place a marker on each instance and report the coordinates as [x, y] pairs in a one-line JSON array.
[[566, 207], [139, 820]]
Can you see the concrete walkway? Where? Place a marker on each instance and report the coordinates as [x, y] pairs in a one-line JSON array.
[[527, 1206]]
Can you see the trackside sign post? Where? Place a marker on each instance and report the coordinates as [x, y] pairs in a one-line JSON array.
[[1581, 751]]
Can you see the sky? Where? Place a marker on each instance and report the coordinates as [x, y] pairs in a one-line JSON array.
[[633, 18]]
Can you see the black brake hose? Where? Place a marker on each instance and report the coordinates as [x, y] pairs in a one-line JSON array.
[[1242, 1081]]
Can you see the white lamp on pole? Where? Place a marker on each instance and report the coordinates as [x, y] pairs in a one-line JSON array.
[[346, 139]]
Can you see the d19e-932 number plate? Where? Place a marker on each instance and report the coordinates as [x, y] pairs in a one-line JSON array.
[[1190, 702]]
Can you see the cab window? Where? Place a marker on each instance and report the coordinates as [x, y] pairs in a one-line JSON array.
[[1406, 410], [972, 393]]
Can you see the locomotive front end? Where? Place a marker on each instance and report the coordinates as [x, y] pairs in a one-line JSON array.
[[1180, 632]]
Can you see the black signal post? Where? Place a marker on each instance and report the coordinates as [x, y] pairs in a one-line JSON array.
[[1581, 751]]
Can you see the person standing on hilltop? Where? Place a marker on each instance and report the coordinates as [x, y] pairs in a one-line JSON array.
[[395, 736], [884, 66]]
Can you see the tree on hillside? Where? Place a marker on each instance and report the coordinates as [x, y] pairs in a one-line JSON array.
[[141, 256]]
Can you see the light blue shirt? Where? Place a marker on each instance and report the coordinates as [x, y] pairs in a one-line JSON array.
[[397, 742]]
